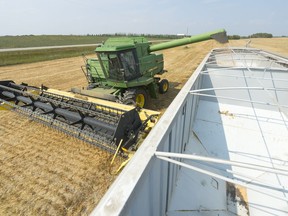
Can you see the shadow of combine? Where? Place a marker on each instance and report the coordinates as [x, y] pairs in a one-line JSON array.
[[164, 100]]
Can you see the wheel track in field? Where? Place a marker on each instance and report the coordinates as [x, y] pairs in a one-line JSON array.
[[48, 167], [59, 74]]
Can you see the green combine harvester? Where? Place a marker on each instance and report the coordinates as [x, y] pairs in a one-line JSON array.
[[126, 69]]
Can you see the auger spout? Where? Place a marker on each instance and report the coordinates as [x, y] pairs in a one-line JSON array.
[[218, 35]]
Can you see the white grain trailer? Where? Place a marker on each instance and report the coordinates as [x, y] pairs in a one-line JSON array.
[[221, 148]]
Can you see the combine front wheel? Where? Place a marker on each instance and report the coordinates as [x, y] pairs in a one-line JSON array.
[[163, 86], [136, 97]]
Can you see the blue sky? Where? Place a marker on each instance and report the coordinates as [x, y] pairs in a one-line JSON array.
[[240, 17]]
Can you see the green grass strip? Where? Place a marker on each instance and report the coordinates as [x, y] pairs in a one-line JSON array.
[[29, 56]]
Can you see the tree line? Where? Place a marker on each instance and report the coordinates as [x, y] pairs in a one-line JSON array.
[[164, 36], [170, 36], [256, 35]]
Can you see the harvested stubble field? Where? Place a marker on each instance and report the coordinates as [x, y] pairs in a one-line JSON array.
[[44, 172]]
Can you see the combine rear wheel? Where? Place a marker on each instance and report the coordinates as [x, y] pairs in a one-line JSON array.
[[136, 97], [163, 86]]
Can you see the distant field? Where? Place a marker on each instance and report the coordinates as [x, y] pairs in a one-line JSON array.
[[275, 45], [47, 40], [58, 40], [29, 56]]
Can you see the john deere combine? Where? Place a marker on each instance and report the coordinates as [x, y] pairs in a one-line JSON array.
[[126, 69]]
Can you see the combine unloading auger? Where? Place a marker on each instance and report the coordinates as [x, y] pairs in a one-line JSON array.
[[104, 126]]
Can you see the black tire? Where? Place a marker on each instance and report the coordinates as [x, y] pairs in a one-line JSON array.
[[163, 86], [137, 97]]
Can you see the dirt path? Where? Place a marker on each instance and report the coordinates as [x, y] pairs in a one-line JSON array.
[[60, 74], [43, 171]]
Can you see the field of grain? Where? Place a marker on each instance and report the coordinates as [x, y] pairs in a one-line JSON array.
[[44, 172]]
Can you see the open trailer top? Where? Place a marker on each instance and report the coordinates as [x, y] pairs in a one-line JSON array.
[[219, 149]]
